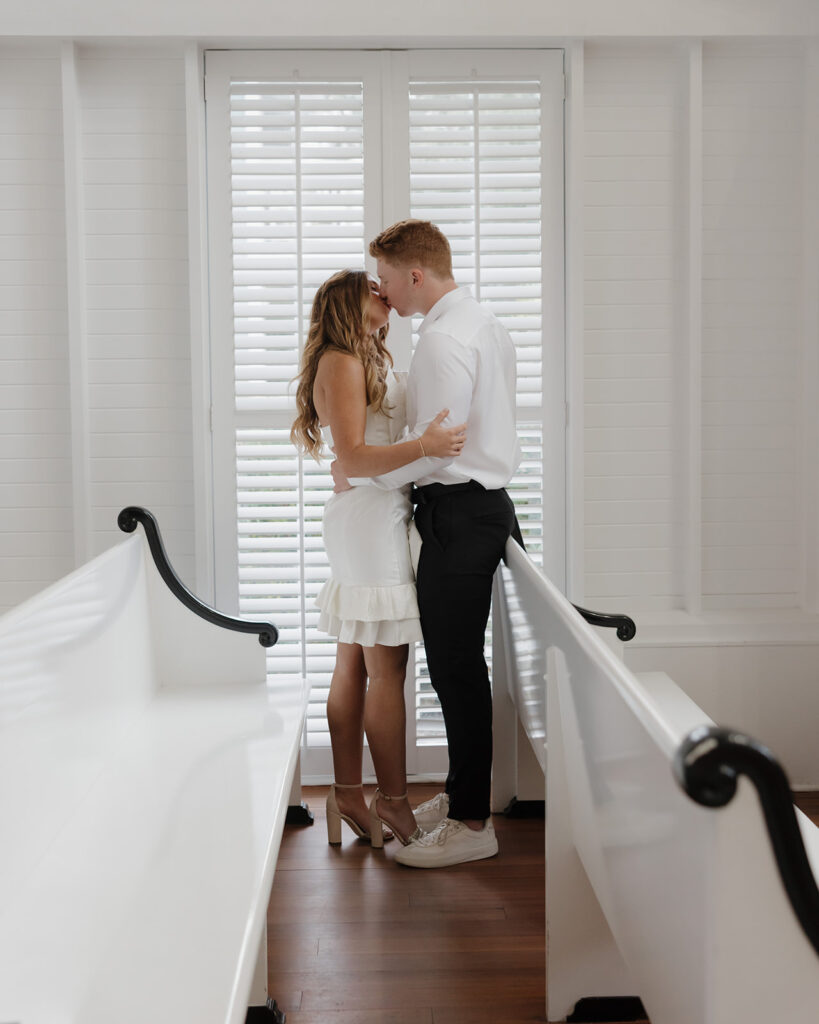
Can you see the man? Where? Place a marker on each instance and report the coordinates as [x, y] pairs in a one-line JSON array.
[[464, 361]]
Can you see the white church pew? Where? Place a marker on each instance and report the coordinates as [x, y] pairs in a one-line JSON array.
[[145, 776], [648, 893]]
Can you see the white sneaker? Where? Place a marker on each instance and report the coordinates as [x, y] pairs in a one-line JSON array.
[[452, 842], [432, 812]]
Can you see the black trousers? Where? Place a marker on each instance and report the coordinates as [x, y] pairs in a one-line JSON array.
[[464, 529]]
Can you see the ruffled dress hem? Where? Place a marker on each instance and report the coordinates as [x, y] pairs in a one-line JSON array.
[[369, 615]]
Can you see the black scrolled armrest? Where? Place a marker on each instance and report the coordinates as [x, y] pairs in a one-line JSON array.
[[626, 629], [128, 520], [707, 765]]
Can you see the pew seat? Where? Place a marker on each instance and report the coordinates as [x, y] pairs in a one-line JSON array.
[[145, 774]]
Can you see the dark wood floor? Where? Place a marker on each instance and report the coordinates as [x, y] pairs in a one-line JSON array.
[[809, 803], [356, 939]]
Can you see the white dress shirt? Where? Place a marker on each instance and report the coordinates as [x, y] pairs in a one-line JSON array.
[[464, 362]]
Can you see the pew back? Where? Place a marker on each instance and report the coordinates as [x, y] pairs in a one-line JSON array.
[[648, 894]]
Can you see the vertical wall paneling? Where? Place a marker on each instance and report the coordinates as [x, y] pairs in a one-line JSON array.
[[201, 446], [691, 407], [575, 276], [77, 319], [36, 507], [810, 334], [753, 159], [221, 325], [134, 146], [553, 289], [634, 179]]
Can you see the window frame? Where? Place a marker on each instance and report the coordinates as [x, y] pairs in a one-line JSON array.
[[387, 76]]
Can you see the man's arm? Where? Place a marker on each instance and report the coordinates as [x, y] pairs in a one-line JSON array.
[[442, 377]]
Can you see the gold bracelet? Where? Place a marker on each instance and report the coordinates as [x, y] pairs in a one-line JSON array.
[[423, 453]]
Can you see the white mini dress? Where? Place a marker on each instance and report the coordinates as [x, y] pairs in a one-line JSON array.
[[370, 596]]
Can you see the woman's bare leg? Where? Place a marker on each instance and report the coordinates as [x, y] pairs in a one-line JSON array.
[[345, 717], [385, 725]]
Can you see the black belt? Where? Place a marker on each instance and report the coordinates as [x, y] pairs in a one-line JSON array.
[[429, 492]]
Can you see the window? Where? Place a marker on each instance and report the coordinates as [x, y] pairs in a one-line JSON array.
[[309, 155]]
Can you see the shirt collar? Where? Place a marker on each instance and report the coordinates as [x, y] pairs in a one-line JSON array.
[[447, 301]]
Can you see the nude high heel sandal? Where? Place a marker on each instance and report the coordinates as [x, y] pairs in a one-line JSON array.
[[335, 817], [377, 823]]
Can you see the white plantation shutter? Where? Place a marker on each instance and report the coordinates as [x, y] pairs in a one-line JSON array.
[[297, 155], [295, 178], [475, 164], [294, 163], [298, 208], [476, 170], [282, 565]]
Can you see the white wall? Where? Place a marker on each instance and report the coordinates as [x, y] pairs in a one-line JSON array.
[[693, 302], [696, 341], [366, 20], [132, 111], [635, 121], [765, 686], [95, 378], [36, 508]]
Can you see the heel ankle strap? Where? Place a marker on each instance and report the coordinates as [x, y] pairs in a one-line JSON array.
[[348, 785], [384, 796]]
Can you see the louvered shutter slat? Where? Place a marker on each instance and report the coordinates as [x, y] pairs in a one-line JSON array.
[[475, 171]]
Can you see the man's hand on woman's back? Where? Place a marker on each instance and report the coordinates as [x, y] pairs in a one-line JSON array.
[[340, 481]]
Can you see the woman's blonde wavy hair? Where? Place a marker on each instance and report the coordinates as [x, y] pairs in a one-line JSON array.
[[339, 322]]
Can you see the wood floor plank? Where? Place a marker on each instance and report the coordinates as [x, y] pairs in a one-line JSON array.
[[407, 942], [439, 989], [413, 929], [513, 1012], [391, 1016], [808, 802], [355, 912], [421, 960], [304, 947]]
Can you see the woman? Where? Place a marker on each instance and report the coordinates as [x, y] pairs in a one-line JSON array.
[[349, 397]]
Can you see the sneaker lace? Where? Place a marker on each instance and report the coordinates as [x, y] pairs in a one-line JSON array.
[[448, 827], [436, 803]]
